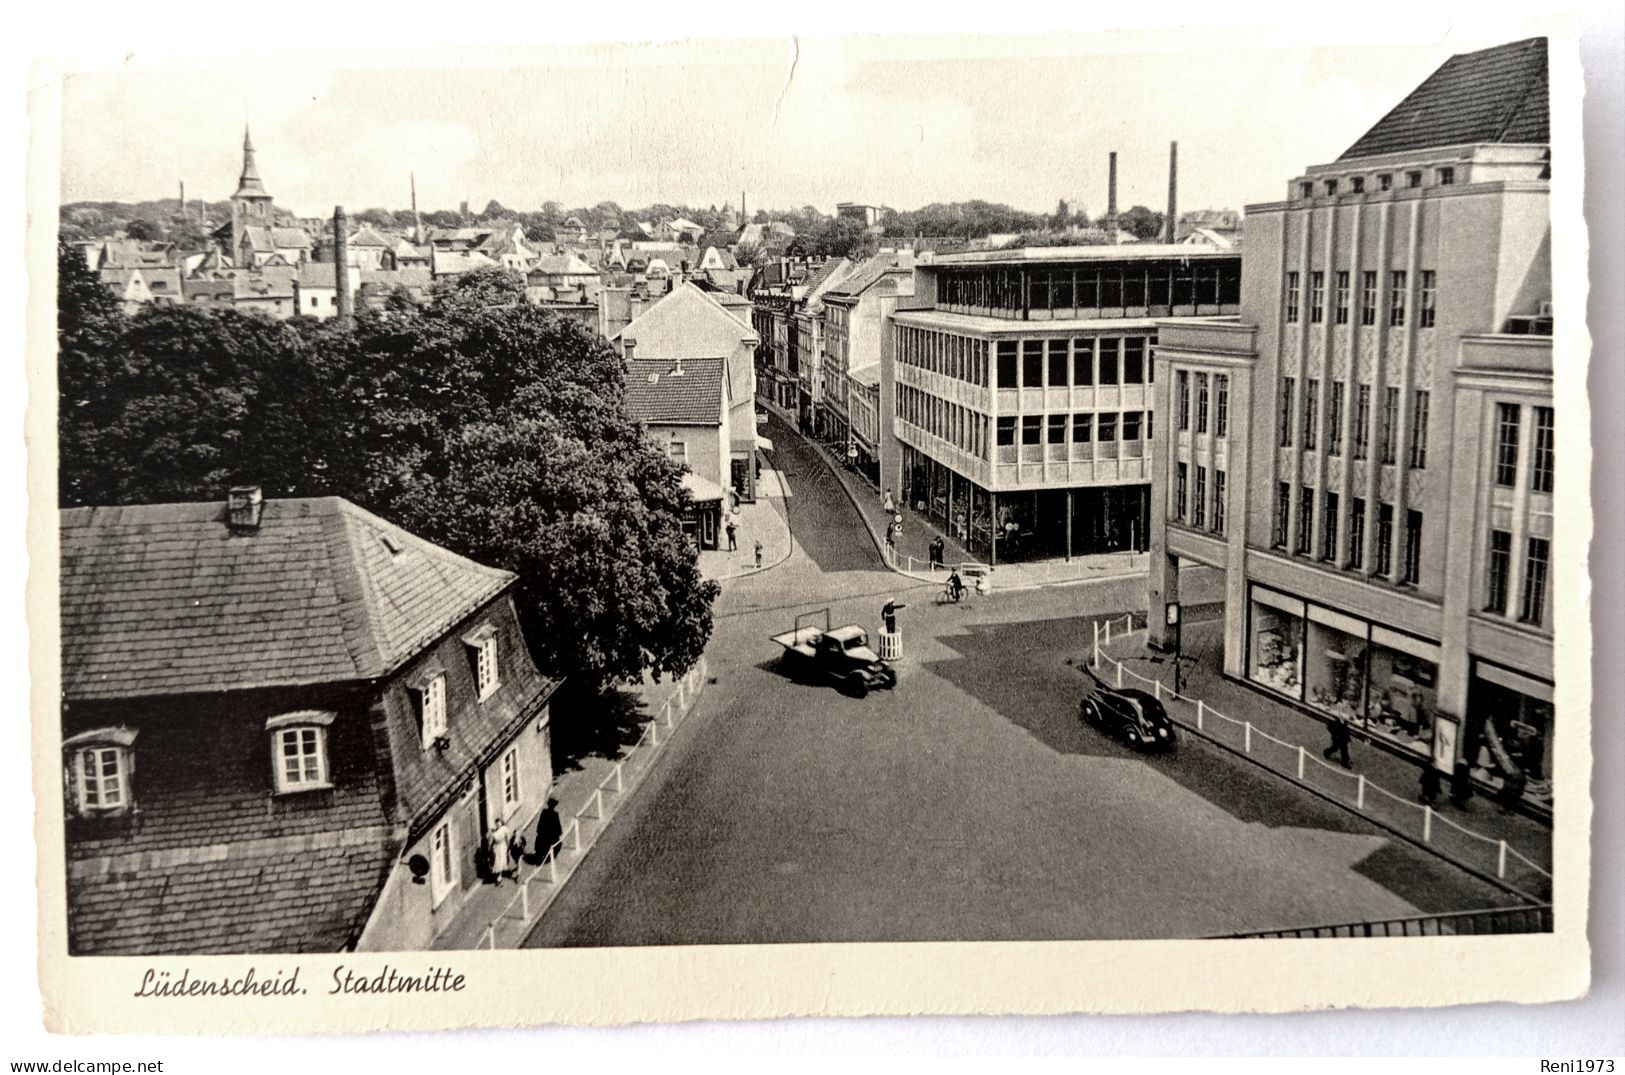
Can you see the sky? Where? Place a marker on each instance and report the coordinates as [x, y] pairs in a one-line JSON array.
[[891, 120]]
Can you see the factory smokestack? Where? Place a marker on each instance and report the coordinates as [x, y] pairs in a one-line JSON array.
[[1111, 194], [341, 265], [417, 220], [1172, 228]]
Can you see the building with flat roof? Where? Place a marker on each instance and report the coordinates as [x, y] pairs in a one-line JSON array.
[[1019, 388], [1368, 452]]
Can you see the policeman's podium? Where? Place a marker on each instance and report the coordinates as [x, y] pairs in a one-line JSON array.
[[891, 645]]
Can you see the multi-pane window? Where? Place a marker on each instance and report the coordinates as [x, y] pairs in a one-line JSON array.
[[103, 785], [1133, 360], [1107, 427], [1447, 176], [1506, 444], [1413, 547], [1534, 581], [1108, 360], [1199, 498], [1341, 309], [1131, 425], [1368, 297], [1362, 421], [1218, 501], [1419, 429], [1385, 538], [301, 757], [442, 861], [1385, 181], [1328, 525], [1005, 432], [1390, 423], [1497, 571], [677, 452], [1540, 480], [1182, 393], [1283, 513], [1306, 519], [1429, 297], [1057, 429], [1413, 179], [511, 792], [1181, 474], [1396, 298], [1201, 403], [1032, 363], [432, 708], [1357, 533], [1317, 297], [1082, 427], [1284, 419], [1032, 428], [1221, 404], [1083, 362], [1334, 420], [1357, 184], [1009, 355], [1311, 403], [1291, 297], [1057, 363]]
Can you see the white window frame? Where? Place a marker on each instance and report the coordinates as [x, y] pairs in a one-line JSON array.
[[487, 668], [307, 727], [512, 788], [431, 700], [443, 865], [94, 749]]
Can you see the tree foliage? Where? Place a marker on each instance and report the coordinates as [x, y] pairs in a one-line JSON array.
[[479, 422], [1140, 222]]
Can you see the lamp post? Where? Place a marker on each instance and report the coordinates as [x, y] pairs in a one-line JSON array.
[[1171, 618]]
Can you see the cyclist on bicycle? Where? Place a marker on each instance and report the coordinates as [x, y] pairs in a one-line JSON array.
[[956, 586]]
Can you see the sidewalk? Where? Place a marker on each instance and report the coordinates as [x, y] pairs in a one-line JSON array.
[[1249, 711], [913, 554], [764, 520], [588, 798]]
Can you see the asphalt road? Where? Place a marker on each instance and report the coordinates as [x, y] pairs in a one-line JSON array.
[[969, 804]]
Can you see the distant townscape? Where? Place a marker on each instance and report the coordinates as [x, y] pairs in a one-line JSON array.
[[397, 545]]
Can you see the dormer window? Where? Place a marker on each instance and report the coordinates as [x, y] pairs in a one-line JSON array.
[[430, 692], [482, 648], [99, 766], [299, 750]]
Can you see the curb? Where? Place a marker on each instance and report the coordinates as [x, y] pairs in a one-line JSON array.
[[1191, 729], [789, 550]]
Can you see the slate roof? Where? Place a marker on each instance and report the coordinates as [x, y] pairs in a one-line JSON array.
[[655, 394], [367, 236], [161, 599], [1494, 95], [562, 265], [865, 276]]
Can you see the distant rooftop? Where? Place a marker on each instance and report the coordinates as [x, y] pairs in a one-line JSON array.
[[1103, 252], [1494, 95]]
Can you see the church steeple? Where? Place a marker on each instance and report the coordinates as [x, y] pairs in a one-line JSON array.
[[249, 186]]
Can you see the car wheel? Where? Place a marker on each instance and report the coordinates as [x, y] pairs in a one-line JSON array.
[[860, 689], [1133, 738]]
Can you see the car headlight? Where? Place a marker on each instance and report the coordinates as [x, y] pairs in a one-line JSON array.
[[1163, 732]]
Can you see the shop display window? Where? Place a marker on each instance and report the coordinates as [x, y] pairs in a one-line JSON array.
[[1404, 694], [1277, 658], [1335, 671]]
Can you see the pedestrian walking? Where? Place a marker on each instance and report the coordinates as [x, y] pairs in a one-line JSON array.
[[733, 536], [758, 555], [498, 841], [937, 547], [1339, 729], [1432, 784], [891, 538], [549, 831], [1461, 784], [889, 504]]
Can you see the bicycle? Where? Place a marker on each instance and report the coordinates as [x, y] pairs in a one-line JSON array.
[[949, 596]]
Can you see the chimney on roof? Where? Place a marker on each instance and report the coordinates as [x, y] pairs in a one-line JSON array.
[[1111, 194], [341, 265], [628, 347], [417, 219], [244, 504], [677, 367], [1172, 224]]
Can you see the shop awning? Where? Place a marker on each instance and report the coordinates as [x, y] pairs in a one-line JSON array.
[[702, 490], [764, 443]]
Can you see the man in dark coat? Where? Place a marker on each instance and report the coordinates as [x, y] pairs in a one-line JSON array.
[[1339, 729], [549, 831]]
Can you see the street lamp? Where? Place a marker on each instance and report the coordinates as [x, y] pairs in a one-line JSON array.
[[1171, 618]]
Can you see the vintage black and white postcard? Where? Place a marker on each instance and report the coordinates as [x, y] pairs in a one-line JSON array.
[[818, 525]]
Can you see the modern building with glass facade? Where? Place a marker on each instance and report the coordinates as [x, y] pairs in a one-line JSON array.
[[1368, 451], [1019, 386]]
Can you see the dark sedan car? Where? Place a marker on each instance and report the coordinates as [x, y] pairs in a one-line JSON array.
[[1134, 716]]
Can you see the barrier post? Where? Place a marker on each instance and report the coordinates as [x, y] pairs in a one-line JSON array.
[[1300, 761], [1109, 634], [598, 802], [1119, 674], [553, 866], [1359, 793], [618, 785], [575, 834], [1201, 707], [1501, 860], [1247, 737], [491, 936], [524, 901], [1156, 689], [1427, 823]]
